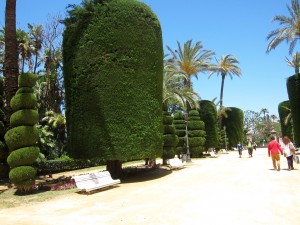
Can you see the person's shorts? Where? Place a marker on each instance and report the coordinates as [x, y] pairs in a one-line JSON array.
[[275, 157]]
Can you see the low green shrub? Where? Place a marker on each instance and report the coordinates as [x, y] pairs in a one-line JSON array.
[[23, 156]]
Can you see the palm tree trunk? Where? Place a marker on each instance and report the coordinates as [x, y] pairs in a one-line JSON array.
[[11, 56], [221, 99], [187, 84]]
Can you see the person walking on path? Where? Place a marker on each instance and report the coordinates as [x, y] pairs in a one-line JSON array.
[[274, 150], [250, 148], [240, 148], [288, 151]]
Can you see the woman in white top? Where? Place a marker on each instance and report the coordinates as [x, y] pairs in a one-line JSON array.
[[288, 151]]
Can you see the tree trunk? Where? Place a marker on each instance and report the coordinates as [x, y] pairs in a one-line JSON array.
[[114, 167], [221, 100], [11, 70]]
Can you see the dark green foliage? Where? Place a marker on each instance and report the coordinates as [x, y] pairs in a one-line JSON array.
[[283, 111], [27, 80], [180, 131], [223, 143], [2, 129], [23, 156], [4, 168], [234, 124], [21, 136], [293, 88], [208, 113], [113, 67], [23, 101], [169, 137], [27, 117], [196, 133], [22, 174]]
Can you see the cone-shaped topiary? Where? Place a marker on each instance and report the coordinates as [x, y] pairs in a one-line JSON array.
[[22, 139], [169, 137], [208, 113], [284, 109], [180, 131], [293, 88], [113, 67], [196, 133], [234, 124]]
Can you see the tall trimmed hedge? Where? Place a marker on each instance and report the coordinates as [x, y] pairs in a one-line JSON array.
[[283, 111], [293, 88], [113, 68], [196, 133], [22, 138], [170, 138], [180, 131], [234, 126], [208, 114], [4, 168]]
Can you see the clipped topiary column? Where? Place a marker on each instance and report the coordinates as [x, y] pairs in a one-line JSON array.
[[179, 123], [4, 169], [22, 138], [234, 123], [293, 88], [208, 113], [170, 138], [113, 73], [196, 133]]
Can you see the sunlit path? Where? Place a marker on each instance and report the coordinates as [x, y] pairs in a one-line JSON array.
[[223, 190]]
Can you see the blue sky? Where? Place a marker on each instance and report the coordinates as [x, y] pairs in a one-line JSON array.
[[227, 27]]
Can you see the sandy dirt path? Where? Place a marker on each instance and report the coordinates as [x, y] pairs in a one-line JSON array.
[[223, 190]]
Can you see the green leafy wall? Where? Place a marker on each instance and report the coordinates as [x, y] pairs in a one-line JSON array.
[[113, 68], [208, 114], [293, 88], [234, 126]]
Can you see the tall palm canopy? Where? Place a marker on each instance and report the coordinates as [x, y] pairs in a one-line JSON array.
[[295, 62], [226, 66], [289, 29], [189, 60]]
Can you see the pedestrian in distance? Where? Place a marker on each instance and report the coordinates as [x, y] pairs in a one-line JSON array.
[[240, 148], [288, 151], [274, 150], [254, 146], [250, 148]]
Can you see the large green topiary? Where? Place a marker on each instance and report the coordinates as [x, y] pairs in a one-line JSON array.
[[169, 137], [234, 123], [208, 113], [113, 68], [22, 139], [196, 133], [293, 88], [180, 131], [283, 111]]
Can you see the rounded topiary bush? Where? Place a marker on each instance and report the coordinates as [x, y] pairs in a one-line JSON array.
[[24, 90], [22, 138], [196, 133], [22, 174], [27, 117], [27, 80], [23, 156], [23, 101], [180, 131]]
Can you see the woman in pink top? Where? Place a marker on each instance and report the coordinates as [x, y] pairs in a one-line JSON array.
[[274, 150]]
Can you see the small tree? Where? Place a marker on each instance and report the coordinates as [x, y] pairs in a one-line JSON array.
[[22, 138]]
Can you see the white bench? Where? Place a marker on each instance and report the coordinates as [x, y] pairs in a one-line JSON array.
[[176, 163], [213, 154], [94, 181]]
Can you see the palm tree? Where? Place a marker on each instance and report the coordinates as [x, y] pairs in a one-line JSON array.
[[189, 61], [175, 92], [273, 118], [264, 111], [11, 70], [295, 62], [289, 30], [225, 66]]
